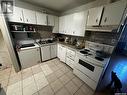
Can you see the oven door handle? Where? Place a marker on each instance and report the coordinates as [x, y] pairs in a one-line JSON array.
[[90, 63]]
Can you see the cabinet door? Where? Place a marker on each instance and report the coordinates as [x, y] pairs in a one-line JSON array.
[[17, 15], [29, 16], [56, 26], [62, 25], [68, 24], [53, 51], [79, 23], [50, 20], [58, 50], [45, 51], [63, 54], [94, 16], [29, 57], [41, 18], [113, 13]]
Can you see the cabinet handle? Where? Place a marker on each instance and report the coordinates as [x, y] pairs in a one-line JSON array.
[[97, 20], [27, 20], [20, 18], [105, 19]]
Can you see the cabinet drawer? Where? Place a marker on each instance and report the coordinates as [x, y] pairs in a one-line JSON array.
[[70, 56], [70, 62], [69, 51]]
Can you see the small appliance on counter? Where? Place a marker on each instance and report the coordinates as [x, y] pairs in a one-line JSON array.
[[67, 40], [80, 45], [61, 39], [45, 41]]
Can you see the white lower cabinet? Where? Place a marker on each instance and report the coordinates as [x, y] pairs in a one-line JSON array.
[[45, 53], [61, 52], [66, 55], [53, 51], [70, 57], [29, 57]]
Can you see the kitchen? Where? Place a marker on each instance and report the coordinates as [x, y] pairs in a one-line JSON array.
[[78, 40]]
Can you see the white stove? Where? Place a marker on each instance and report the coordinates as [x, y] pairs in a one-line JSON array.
[[88, 66]]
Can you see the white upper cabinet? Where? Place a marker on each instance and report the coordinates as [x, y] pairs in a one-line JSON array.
[[61, 24], [73, 24], [50, 20], [17, 15], [94, 16], [68, 24], [113, 13], [79, 23], [41, 18], [56, 26], [29, 16]]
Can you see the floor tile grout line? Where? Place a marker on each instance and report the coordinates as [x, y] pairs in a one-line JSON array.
[[47, 79], [49, 82], [54, 81], [35, 82], [8, 79], [22, 82]]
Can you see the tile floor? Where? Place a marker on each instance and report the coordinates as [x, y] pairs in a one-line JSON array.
[[48, 78]]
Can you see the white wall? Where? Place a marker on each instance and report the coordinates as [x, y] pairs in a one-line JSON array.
[[4, 54], [7, 40], [26, 5], [2, 43]]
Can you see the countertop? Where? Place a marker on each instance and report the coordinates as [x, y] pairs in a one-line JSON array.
[[41, 45], [69, 46], [62, 43], [73, 47]]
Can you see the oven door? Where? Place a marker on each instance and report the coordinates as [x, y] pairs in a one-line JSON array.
[[91, 70]]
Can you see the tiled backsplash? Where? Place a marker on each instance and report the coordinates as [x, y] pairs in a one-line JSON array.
[[42, 32], [109, 38]]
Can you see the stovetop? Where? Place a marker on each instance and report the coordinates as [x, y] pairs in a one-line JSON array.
[[91, 53]]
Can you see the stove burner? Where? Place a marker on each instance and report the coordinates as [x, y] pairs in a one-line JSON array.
[[85, 51], [99, 58]]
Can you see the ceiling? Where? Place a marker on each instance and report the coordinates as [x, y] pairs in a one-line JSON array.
[[58, 5]]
